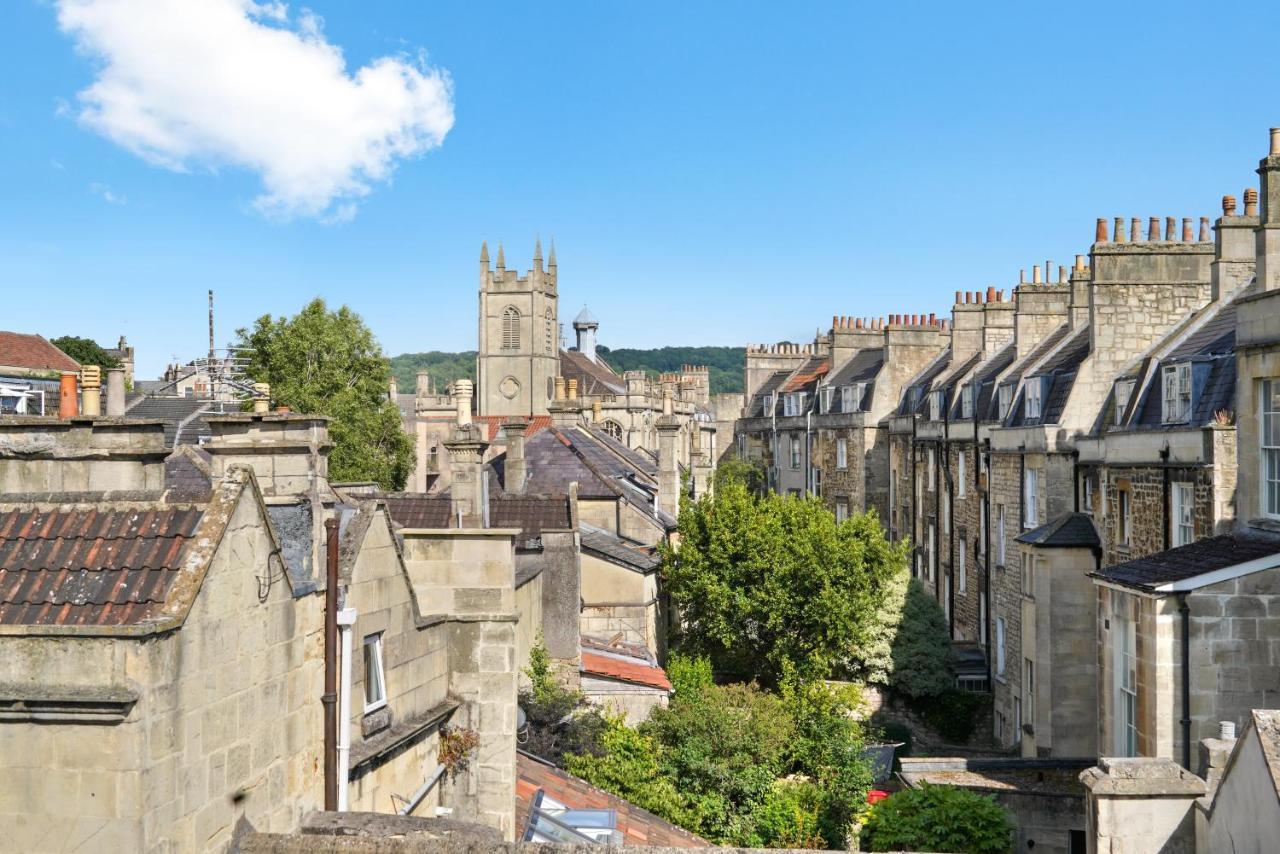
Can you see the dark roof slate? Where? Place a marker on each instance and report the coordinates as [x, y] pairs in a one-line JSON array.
[[1060, 371], [181, 417], [532, 514], [1071, 530], [594, 377], [1038, 352], [616, 550], [914, 395], [1189, 561], [757, 408]]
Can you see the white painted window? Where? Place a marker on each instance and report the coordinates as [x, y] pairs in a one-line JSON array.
[[1182, 511], [1000, 553], [1124, 522], [935, 406], [1125, 677], [1029, 689], [931, 469], [859, 392], [946, 596], [842, 453], [1017, 719], [846, 399], [1031, 391], [982, 617], [1124, 390], [1004, 397], [795, 452], [1177, 393], [961, 477], [1031, 495], [999, 646], [1088, 492], [375, 690], [945, 506], [962, 575], [1270, 441], [966, 401], [827, 394], [982, 526], [842, 510]]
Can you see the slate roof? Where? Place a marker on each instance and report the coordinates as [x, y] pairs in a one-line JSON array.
[[946, 383], [807, 375], [605, 545], [1060, 371], [87, 566], [914, 395], [1198, 558], [637, 826], [624, 669], [639, 459], [1071, 530], [757, 409], [594, 378], [984, 380], [532, 514], [182, 417], [1020, 365], [864, 367], [187, 474], [33, 352], [585, 318], [553, 464]]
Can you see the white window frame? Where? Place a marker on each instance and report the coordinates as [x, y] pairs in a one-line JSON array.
[[826, 399], [1031, 493], [1269, 440], [1182, 506], [1033, 389], [1124, 677], [1004, 398], [935, 406], [960, 474], [1028, 575], [966, 401], [1124, 510], [846, 398], [842, 453], [372, 646], [842, 510], [1000, 540], [1088, 493], [1029, 690], [795, 452], [1176, 393], [931, 564], [982, 526], [962, 574], [931, 469], [1000, 646], [945, 505], [1124, 390]]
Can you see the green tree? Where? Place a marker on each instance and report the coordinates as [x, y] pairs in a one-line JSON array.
[[768, 586], [938, 818], [86, 351], [558, 720], [921, 648], [328, 363]]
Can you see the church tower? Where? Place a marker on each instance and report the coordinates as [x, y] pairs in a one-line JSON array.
[[519, 353]]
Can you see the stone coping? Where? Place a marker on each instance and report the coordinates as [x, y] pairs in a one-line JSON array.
[[391, 741]]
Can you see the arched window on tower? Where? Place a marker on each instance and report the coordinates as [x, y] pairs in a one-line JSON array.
[[511, 328], [614, 429]]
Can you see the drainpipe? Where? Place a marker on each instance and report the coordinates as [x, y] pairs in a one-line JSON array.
[[1022, 488], [986, 558], [330, 696], [915, 500], [1185, 611], [1164, 494], [951, 517], [346, 619]]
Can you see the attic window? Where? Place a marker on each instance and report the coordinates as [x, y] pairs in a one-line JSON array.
[[1124, 390], [966, 401], [1177, 393], [375, 692], [1033, 389], [827, 394], [935, 406], [1004, 398]]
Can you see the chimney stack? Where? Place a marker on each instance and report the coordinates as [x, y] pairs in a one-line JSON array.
[[1228, 205], [1153, 230], [1100, 233], [115, 392], [1251, 202], [560, 388], [261, 398], [91, 390], [1135, 230], [1119, 230], [1186, 229], [68, 402], [573, 388], [1170, 229], [462, 401], [515, 470]]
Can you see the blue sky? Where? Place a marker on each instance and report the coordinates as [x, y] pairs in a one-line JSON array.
[[712, 173]]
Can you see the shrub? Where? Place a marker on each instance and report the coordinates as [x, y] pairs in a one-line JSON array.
[[938, 818], [953, 714], [921, 647], [558, 720], [788, 816]]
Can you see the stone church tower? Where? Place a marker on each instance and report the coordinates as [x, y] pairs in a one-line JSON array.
[[519, 354]]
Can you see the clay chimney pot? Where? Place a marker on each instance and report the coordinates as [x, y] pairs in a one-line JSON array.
[[1100, 233], [1251, 202], [1170, 228], [1153, 229], [1228, 205]]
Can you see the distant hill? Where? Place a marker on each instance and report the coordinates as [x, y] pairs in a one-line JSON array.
[[726, 364]]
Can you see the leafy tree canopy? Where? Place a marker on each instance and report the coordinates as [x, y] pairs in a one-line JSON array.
[[86, 351], [328, 363], [938, 818], [772, 587]]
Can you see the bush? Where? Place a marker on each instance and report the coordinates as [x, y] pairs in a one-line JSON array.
[[938, 818], [953, 714], [558, 720], [788, 816], [921, 647]]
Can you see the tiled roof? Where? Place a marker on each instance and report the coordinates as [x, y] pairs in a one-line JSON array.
[[594, 378], [625, 670], [552, 465], [639, 460], [984, 380], [913, 396], [612, 548], [532, 514], [1059, 370], [181, 417], [33, 352], [186, 474], [862, 368], [638, 826], [1072, 530], [81, 566], [756, 408], [1198, 558], [1022, 364], [805, 376]]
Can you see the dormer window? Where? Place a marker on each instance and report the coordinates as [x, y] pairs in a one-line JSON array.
[[1032, 392], [966, 401], [827, 394], [847, 403], [769, 404], [1124, 390], [935, 406], [1177, 393], [1003, 398], [793, 404]]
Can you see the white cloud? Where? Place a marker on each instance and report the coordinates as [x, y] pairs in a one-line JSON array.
[[108, 196], [206, 83]]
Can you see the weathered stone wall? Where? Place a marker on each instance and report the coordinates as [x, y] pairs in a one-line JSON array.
[[1148, 513], [1006, 591], [616, 599], [529, 608], [40, 454], [846, 484]]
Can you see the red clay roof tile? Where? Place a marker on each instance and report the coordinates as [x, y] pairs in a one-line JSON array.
[[33, 352], [612, 667]]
